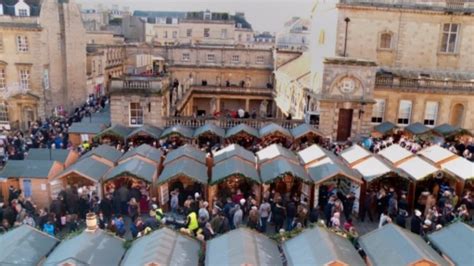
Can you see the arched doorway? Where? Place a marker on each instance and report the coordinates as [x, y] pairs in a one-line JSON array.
[[28, 116], [457, 115]]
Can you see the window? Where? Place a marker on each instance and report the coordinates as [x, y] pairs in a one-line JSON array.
[[136, 114], [3, 82], [189, 32], [249, 38], [24, 79], [260, 59], [211, 58], [23, 12], [386, 41], [46, 79], [3, 113], [431, 113], [240, 37], [378, 111], [224, 34], [206, 33], [100, 69], [93, 66], [22, 44], [1, 43], [449, 39], [27, 191], [186, 57], [175, 34], [235, 59], [404, 112]]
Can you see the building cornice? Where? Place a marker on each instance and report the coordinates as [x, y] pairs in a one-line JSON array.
[[408, 9]]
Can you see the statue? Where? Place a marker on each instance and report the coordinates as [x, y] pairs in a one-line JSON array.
[[248, 82], [213, 105], [263, 108]]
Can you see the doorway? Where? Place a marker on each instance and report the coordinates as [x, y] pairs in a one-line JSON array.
[[344, 124]]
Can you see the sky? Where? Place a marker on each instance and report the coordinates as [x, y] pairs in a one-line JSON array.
[[264, 15]]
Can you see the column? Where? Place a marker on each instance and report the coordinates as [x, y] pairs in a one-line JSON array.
[[218, 104], [247, 104]]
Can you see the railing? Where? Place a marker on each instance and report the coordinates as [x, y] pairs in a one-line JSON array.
[[226, 123], [418, 84], [138, 83]]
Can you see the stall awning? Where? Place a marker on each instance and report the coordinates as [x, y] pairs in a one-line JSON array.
[[273, 128], [104, 151], [27, 169], [163, 247], [392, 245], [456, 241], [436, 153], [234, 150], [310, 154], [274, 151], [242, 247], [118, 131], [188, 151], [88, 168], [320, 247], [276, 168], [385, 127], [372, 168], [234, 166], [134, 167], [331, 166], [145, 151], [209, 128], [184, 167], [25, 245], [459, 167], [242, 128], [86, 128], [417, 128], [305, 129], [354, 154], [395, 153], [59, 155], [146, 130], [180, 130], [417, 168], [445, 129]]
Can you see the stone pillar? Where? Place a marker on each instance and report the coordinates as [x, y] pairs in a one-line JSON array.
[[247, 104], [218, 104]]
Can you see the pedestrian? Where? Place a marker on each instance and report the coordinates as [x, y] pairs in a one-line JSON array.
[[335, 221], [416, 223], [203, 212], [238, 216], [133, 209], [264, 213], [384, 218], [254, 218], [278, 215], [192, 222]]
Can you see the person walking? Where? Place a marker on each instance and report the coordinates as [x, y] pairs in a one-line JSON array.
[[265, 211]]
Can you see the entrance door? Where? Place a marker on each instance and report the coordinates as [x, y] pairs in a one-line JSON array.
[[344, 124]]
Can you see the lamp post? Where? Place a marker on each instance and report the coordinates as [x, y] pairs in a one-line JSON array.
[[347, 20]]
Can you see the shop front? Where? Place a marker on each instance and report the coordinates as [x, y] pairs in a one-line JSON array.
[[114, 135], [275, 134], [177, 136], [144, 135], [209, 135], [306, 135], [243, 135]]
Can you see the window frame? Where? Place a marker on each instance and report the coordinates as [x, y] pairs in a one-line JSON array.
[[381, 41], [206, 33], [23, 12], [24, 75], [138, 110], [404, 121], [189, 32], [3, 77], [429, 119], [449, 33], [258, 61], [46, 82], [22, 45], [379, 115], [235, 59], [211, 60], [185, 57], [3, 113]]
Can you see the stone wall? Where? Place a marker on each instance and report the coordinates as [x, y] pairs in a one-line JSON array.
[[152, 109]]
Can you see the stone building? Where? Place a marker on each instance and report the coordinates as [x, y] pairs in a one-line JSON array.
[[42, 59], [95, 71], [395, 61], [295, 34]]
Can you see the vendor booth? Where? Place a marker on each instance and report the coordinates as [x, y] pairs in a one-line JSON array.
[[306, 134], [383, 129], [418, 131], [448, 241], [177, 135], [275, 134], [463, 170], [84, 132], [144, 152], [354, 154], [64, 156], [242, 134], [209, 134], [186, 151], [104, 153], [114, 135], [145, 134], [274, 151]]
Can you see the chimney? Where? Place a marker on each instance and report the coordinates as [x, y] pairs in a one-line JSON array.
[[91, 222]]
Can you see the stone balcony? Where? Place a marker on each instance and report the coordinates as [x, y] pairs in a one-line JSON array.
[[225, 123], [138, 85], [425, 85]]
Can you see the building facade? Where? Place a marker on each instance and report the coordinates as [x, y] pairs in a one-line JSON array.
[[295, 35]]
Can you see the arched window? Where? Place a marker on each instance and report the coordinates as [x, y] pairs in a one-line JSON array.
[[386, 40], [457, 115]]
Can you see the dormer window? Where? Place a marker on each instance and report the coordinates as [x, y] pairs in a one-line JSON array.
[[22, 9], [23, 12]]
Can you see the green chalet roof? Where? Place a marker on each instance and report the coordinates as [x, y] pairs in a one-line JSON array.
[[234, 166], [319, 247], [59, 155], [271, 170], [89, 168], [242, 247], [446, 129], [134, 167], [146, 151], [303, 130], [331, 166], [385, 127], [88, 248], [146, 130], [184, 167], [242, 128], [210, 128], [86, 128], [274, 151], [273, 128], [27, 169], [163, 247], [180, 130], [104, 151], [234, 150], [25, 245], [116, 130], [456, 241], [417, 128], [393, 245], [187, 151]]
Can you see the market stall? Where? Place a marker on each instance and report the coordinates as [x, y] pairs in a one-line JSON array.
[[306, 134], [354, 155], [418, 131], [463, 170], [274, 151], [234, 150], [209, 134], [145, 134], [176, 136], [383, 129], [187, 151], [242, 134], [64, 156], [144, 152], [114, 135], [275, 134], [448, 241], [84, 132], [104, 153]]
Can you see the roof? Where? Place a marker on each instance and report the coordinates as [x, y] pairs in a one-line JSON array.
[[304, 129], [273, 128], [89, 248], [183, 131], [436, 153], [86, 128], [145, 151], [395, 153], [319, 247], [234, 150], [271, 170], [448, 240], [354, 153], [242, 247], [186, 151], [329, 167], [274, 151], [160, 14], [404, 247], [105, 151], [27, 169], [417, 168], [241, 128], [134, 167], [25, 245], [210, 128], [384, 127], [163, 247], [459, 167], [445, 129], [372, 168], [88, 167], [185, 167], [417, 128], [297, 67], [116, 130], [146, 130], [234, 166], [310, 154], [59, 155]]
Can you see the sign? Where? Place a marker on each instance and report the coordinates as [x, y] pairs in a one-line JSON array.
[[164, 194], [43, 187], [355, 188], [55, 187], [84, 137], [316, 196]]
